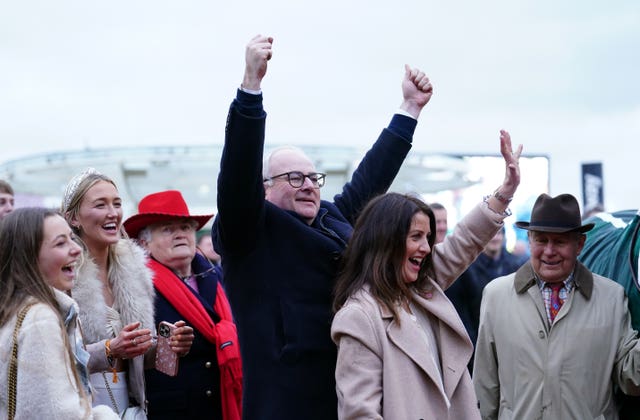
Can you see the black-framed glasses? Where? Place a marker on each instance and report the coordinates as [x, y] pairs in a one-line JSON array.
[[296, 178]]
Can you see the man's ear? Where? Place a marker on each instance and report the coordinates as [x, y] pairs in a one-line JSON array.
[[581, 240]]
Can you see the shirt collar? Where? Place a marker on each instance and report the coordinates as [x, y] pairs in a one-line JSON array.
[[582, 279], [566, 283]]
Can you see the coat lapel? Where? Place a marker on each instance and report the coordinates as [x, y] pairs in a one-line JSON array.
[[410, 340], [525, 281], [536, 296], [455, 346], [582, 283]]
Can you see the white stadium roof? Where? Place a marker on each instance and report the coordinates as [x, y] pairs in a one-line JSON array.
[[193, 170]]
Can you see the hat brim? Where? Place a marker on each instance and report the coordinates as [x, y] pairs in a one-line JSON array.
[[134, 224], [554, 229]]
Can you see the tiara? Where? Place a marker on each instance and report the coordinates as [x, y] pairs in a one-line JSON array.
[[72, 186]]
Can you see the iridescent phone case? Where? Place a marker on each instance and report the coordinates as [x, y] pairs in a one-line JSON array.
[[166, 359]]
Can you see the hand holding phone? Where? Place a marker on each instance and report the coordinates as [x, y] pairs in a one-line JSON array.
[[166, 359]]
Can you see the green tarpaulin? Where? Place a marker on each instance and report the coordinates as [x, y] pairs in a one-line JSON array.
[[611, 250]]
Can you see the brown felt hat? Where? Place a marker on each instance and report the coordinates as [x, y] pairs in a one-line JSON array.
[[556, 214]]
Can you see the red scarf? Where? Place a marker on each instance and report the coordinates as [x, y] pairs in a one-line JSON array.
[[223, 334]]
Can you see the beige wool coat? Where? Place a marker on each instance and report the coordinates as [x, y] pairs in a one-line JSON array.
[[384, 368], [526, 369]]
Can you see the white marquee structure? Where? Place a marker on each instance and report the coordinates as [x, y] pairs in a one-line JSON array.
[[40, 179]]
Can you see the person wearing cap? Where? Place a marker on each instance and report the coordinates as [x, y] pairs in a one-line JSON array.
[[209, 380], [114, 291], [554, 339], [281, 245]]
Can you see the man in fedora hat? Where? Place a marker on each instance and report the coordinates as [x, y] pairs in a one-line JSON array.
[[208, 384], [554, 338]]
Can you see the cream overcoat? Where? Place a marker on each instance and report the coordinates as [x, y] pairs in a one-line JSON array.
[[46, 387], [527, 369]]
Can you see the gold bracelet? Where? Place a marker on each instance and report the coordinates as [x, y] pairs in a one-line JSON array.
[[111, 360]]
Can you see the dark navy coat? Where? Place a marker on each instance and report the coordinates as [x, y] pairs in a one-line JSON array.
[[279, 271]]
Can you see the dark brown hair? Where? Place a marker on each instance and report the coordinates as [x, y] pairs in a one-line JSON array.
[[376, 250], [5, 187], [21, 235]]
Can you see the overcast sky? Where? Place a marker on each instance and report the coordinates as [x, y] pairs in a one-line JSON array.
[[563, 76]]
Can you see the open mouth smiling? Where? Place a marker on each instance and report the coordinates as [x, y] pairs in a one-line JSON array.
[[112, 226], [415, 261], [69, 269]]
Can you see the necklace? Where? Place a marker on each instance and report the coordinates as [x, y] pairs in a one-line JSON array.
[[186, 278], [195, 276]]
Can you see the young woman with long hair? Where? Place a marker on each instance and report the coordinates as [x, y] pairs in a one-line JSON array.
[[38, 256]]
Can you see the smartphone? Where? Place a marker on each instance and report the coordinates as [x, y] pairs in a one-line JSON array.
[[166, 359]]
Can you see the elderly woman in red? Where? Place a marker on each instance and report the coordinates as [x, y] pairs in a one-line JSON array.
[[208, 384]]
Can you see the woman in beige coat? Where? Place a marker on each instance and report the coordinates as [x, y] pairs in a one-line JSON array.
[[402, 348]]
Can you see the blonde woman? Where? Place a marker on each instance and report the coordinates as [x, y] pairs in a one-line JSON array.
[[115, 293]]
